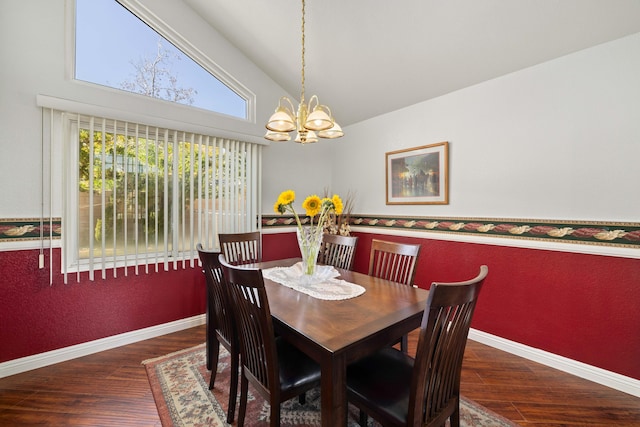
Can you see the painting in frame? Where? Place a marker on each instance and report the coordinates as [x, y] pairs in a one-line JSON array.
[[418, 176]]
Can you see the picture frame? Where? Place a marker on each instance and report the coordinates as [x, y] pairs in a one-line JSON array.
[[418, 176]]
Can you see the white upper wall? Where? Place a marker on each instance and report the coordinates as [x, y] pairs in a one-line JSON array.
[[305, 169], [556, 141], [560, 140]]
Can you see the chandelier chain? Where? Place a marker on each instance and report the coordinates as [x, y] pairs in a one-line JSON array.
[[303, 64]]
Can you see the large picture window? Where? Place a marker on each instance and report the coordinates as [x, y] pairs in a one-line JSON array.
[[144, 195]]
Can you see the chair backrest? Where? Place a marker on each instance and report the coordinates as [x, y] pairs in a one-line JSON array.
[[220, 317], [393, 261], [435, 387], [241, 248], [337, 250], [255, 326]]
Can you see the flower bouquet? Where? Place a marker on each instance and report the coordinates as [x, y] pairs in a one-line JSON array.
[[309, 237]]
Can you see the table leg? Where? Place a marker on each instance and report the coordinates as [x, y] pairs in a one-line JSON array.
[[334, 391]]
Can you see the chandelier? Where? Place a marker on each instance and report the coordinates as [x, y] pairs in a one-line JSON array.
[[312, 120]]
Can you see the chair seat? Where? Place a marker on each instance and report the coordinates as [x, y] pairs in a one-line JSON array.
[[297, 370], [388, 389]]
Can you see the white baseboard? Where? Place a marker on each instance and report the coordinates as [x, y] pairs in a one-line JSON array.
[[28, 363], [579, 369]]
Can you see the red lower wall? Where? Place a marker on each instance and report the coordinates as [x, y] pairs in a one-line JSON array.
[[36, 317], [583, 307]]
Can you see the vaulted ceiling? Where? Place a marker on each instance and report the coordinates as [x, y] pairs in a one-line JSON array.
[[368, 57]]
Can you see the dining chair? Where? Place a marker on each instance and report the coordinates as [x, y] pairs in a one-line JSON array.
[[395, 262], [398, 390], [277, 370], [221, 328], [337, 250], [241, 248]]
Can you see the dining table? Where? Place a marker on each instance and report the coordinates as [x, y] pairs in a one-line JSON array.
[[335, 333]]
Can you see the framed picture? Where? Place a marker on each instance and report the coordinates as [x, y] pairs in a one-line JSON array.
[[418, 176]]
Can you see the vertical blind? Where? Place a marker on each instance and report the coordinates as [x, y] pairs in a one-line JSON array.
[[143, 196]]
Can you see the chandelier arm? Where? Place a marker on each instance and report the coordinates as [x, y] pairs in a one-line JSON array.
[[310, 106], [291, 109]]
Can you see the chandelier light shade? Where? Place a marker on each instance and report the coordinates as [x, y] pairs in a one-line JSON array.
[[277, 136], [311, 121], [283, 119], [333, 132]]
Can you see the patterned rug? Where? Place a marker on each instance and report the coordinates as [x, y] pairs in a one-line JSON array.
[[180, 386]]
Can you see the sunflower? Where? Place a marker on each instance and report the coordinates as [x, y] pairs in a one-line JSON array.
[[278, 207], [312, 205], [287, 197], [337, 204]]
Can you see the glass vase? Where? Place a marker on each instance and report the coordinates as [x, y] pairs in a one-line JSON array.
[[309, 240]]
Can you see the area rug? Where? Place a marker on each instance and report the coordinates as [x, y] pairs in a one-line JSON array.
[[180, 386]]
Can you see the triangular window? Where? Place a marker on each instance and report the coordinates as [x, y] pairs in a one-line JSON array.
[[115, 48]]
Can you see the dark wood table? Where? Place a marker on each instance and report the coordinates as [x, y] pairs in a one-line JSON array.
[[335, 333]]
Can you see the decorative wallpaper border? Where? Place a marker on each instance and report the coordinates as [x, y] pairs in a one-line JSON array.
[[13, 230], [620, 234]]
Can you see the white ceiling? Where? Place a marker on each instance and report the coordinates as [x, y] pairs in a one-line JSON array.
[[368, 57]]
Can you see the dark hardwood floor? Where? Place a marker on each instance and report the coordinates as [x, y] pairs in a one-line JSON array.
[[111, 389]]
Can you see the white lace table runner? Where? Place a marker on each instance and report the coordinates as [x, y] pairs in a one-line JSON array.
[[323, 285]]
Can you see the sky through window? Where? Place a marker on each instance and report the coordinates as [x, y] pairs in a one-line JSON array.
[[112, 44]]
